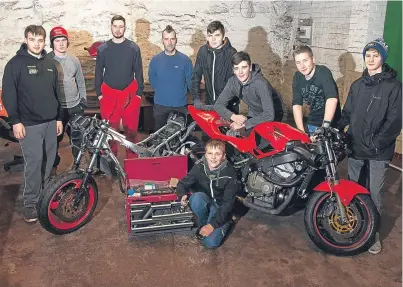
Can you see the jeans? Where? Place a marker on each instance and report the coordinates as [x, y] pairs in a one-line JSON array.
[[205, 209], [311, 129]]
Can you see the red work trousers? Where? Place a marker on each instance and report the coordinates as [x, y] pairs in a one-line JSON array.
[[117, 105]]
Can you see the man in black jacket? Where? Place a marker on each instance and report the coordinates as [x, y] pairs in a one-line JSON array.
[[30, 96], [373, 111], [214, 183], [213, 62]]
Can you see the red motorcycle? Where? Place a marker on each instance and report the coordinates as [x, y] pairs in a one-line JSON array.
[[279, 166]]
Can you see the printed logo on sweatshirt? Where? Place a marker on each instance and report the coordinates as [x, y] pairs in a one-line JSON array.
[[32, 70], [50, 70], [177, 67]]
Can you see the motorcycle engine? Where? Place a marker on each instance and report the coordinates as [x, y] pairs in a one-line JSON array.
[[257, 185], [267, 193]]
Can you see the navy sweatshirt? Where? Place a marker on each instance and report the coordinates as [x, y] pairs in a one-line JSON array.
[[170, 77], [30, 89], [117, 65]]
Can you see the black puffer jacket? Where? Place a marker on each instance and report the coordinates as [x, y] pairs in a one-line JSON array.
[[216, 67], [373, 111], [220, 184]]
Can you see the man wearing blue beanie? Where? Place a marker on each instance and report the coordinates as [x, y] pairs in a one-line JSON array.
[[373, 112]]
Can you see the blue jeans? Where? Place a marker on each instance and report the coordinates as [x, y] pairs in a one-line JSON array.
[[311, 129], [205, 209]]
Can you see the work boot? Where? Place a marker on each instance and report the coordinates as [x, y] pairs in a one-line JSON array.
[[377, 246], [30, 214]]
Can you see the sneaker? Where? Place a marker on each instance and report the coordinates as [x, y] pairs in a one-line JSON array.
[[30, 214], [377, 246], [198, 235]]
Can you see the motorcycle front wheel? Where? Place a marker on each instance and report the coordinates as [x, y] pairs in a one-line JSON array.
[[56, 211], [328, 232]]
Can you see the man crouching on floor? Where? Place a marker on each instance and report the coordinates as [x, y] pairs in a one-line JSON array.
[[214, 185]]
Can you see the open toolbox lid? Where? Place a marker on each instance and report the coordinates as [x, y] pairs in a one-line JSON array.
[[155, 169]]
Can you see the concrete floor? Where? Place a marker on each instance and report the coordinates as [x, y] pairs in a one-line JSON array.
[[262, 250]]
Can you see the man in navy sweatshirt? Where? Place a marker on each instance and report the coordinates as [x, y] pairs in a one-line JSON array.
[[170, 76], [118, 75], [30, 96]]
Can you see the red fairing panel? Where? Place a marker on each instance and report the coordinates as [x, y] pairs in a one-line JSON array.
[[92, 50], [278, 134], [346, 189]]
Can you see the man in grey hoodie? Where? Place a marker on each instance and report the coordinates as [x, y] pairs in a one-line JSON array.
[[72, 85], [249, 85]]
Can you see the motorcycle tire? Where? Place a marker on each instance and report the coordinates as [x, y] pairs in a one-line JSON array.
[[323, 225], [55, 211]]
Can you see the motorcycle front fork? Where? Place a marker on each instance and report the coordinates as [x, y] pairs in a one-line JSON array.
[[333, 178], [83, 186]]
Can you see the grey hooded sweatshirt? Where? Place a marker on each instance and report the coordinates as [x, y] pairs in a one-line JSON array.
[[257, 93]]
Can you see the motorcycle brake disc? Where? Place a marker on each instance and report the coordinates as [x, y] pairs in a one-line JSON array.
[[65, 210]]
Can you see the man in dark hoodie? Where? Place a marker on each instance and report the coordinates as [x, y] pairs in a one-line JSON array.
[[213, 62], [249, 85], [373, 112], [214, 185], [30, 95]]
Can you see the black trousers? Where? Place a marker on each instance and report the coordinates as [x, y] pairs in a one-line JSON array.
[[67, 115], [161, 114]]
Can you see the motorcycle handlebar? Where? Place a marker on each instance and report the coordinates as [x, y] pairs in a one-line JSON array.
[[326, 131]]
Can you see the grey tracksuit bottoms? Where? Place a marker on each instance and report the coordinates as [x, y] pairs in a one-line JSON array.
[[377, 170], [39, 149]]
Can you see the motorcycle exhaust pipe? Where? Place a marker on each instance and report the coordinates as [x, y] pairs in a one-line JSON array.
[[192, 156], [248, 203]]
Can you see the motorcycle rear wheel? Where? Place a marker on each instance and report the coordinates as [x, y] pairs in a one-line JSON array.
[[55, 207], [327, 232]]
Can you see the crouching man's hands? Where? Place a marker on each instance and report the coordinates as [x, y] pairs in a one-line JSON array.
[[206, 230], [184, 201]]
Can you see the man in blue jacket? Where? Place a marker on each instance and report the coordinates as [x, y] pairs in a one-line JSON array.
[[170, 74]]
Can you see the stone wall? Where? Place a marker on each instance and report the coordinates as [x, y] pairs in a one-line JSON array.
[[266, 34], [265, 29]]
